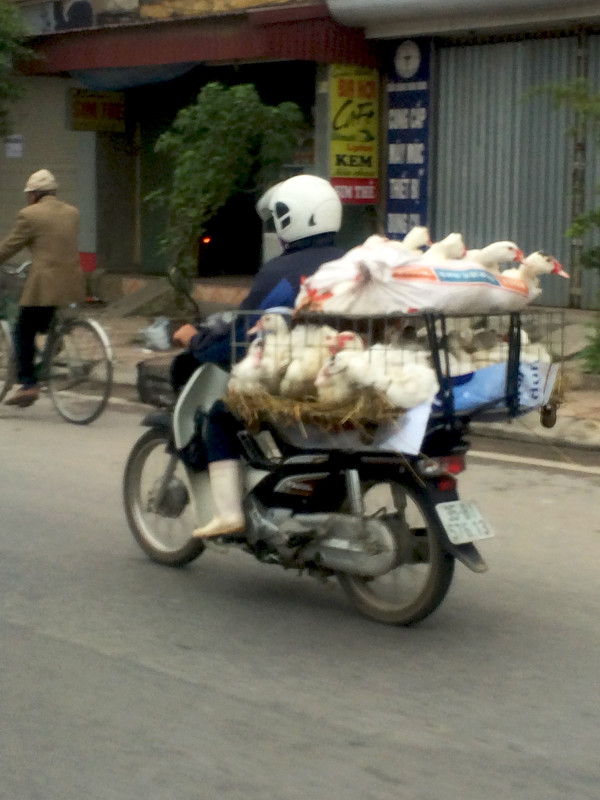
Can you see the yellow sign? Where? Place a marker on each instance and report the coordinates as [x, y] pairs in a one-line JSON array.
[[97, 111], [354, 132]]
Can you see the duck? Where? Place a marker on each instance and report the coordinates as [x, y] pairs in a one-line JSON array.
[[336, 381], [403, 374], [417, 238], [449, 248], [310, 349], [536, 264], [411, 385], [273, 328], [494, 254], [256, 371]]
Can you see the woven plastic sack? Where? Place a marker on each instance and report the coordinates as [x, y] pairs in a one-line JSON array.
[[384, 277]]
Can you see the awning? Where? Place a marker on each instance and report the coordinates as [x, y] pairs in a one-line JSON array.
[[287, 33], [383, 19]]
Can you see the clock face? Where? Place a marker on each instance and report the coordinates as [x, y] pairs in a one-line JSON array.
[[407, 59]]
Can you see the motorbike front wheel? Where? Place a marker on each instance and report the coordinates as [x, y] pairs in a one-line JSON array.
[[418, 583], [159, 509]]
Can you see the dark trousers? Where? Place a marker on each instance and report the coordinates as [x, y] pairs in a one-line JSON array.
[[31, 320], [221, 441]]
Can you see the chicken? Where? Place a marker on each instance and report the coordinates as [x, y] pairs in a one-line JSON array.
[[495, 254], [451, 247], [310, 350], [537, 263]]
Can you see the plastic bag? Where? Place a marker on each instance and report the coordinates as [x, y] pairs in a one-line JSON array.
[[157, 336], [488, 386]]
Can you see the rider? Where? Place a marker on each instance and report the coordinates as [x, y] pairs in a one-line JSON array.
[[307, 213], [50, 229]]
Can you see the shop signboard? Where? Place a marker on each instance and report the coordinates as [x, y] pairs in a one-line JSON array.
[[354, 132], [408, 92], [97, 111]]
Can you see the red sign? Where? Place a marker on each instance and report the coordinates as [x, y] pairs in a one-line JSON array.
[[356, 190]]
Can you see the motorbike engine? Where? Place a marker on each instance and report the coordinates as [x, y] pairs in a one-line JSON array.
[[346, 543]]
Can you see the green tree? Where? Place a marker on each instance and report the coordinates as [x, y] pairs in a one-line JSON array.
[[12, 49], [580, 98], [226, 143]]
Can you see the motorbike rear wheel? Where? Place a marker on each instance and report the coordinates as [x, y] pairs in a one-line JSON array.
[[161, 519], [416, 586]]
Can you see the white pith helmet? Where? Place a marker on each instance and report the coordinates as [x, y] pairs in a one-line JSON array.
[[41, 181], [302, 206]]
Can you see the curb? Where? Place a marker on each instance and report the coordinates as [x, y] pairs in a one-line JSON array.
[[549, 439]]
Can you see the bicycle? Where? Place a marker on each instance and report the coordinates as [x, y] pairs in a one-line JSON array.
[[75, 363]]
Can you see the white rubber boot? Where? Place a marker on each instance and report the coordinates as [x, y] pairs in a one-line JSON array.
[[225, 487]]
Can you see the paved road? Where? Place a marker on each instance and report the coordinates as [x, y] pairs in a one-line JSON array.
[[120, 679]]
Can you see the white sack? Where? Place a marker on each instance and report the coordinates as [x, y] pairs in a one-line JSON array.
[[385, 277]]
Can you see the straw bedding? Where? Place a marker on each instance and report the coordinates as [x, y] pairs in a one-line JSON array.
[[364, 412]]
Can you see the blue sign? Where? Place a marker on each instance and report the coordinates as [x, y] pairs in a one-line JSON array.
[[408, 137]]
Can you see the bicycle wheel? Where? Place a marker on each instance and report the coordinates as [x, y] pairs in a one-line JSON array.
[[80, 370], [7, 371]]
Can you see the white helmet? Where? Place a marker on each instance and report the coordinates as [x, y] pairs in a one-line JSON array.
[[41, 181], [302, 206]]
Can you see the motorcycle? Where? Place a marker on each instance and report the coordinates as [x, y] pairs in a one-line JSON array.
[[388, 526]]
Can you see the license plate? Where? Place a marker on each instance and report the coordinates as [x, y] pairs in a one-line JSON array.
[[463, 522]]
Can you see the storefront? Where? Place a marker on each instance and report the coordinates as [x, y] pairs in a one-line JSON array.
[[471, 145], [155, 68]]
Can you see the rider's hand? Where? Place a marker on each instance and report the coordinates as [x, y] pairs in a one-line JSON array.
[[184, 335]]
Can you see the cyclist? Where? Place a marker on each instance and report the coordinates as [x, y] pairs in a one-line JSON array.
[[50, 229], [307, 214]]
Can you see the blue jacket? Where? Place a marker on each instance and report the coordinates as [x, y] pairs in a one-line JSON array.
[[277, 283]]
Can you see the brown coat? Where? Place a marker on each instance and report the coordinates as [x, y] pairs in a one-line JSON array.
[[50, 230]]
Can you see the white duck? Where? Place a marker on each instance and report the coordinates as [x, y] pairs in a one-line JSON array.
[[494, 254], [448, 248], [256, 371], [411, 385], [402, 374], [417, 238], [274, 325], [310, 350], [536, 264], [336, 381]]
